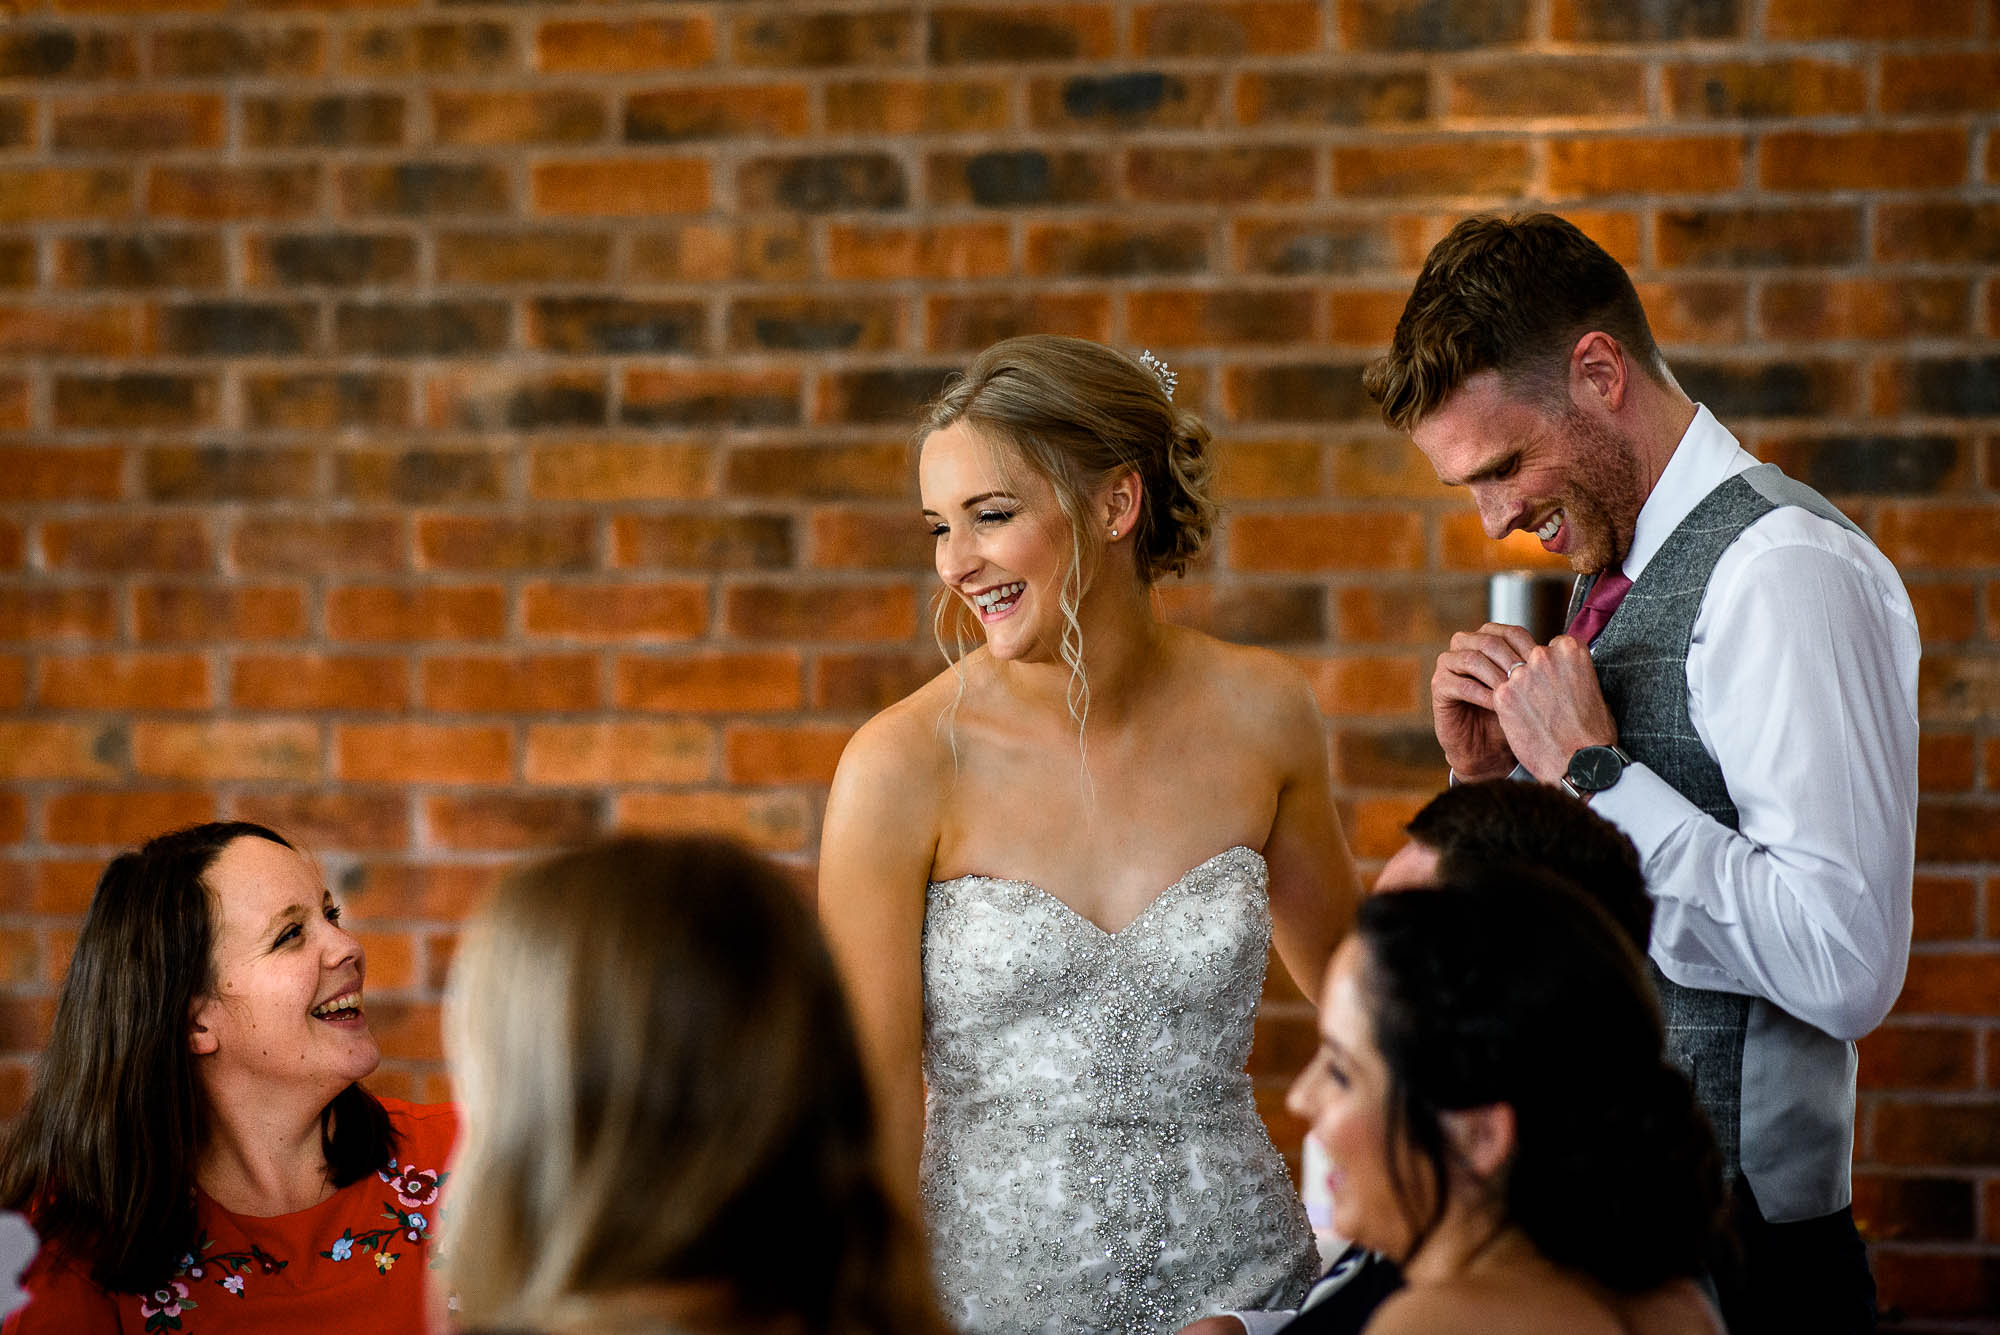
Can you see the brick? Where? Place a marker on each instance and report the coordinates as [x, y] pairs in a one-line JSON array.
[[237, 329], [296, 682], [68, 331], [136, 123], [736, 111], [1937, 1133], [869, 251], [393, 615], [871, 680], [1941, 82], [1916, 1285], [1022, 32], [1432, 25], [517, 684], [406, 753], [20, 956], [1325, 541], [18, 121], [1696, 312], [1963, 687], [808, 324], [1958, 831], [301, 546], [1143, 99], [1253, 469], [1734, 390], [1914, 1209], [25, 1023], [42, 613], [1259, 613], [1958, 983], [1736, 90], [698, 398], [232, 194], [806, 753], [1872, 465], [1256, 28], [1018, 178], [672, 611], [201, 614], [544, 542], [406, 1031], [831, 613], [1674, 20], [61, 473], [1463, 545], [500, 399], [325, 402], [48, 194], [1186, 319], [969, 323], [1945, 612], [1871, 308], [360, 120], [1374, 826], [1350, 686], [483, 47], [623, 752], [824, 183], [422, 329], [1565, 89], [1359, 318], [824, 40], [125, 681], [1297, 392], [1948, 232], [114, 546], [1381, 468], [1941, 386], [1489, 169], [35, 749], [775, 822], [878, 396], [236, 50], [626, 187], [1222, 176], [617, 471], [912, 106], [391, 960], [417, 477], [330, 259], [1396, 758], [589, 46], [1318, 247], [424, 189], [1946, 908], [511, 822], [522, 257], [1862, 159], [1758, 236], [19, 266], [1648, 165], [1111, 249], [1865, 20], [848, 539], [42, 52], [13, 683], [772, 250], [702, 541], [610, 325], [537, 116], [710, 683], [225, 750]]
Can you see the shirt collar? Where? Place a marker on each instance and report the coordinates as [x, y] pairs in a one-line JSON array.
[[1706, 455]]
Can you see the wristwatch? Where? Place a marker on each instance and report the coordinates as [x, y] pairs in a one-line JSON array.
[[1593, 769]]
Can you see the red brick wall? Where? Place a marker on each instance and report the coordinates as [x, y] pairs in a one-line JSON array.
[[450, 429]]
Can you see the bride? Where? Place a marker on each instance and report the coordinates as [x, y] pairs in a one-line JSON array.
[[1052, 876]]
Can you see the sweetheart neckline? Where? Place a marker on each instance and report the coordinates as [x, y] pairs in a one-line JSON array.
[[1092, 923]]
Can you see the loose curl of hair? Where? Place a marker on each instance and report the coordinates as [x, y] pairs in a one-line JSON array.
[[659, 1080], [104, 1155], [1528, 994], [1080, 414]]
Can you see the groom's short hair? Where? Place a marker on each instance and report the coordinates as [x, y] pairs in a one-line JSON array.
[[1475, 825]]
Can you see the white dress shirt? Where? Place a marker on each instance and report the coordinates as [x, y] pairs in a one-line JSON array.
[[1802, 685]]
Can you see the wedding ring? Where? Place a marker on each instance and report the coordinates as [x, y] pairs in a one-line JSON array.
[[1516, 668]]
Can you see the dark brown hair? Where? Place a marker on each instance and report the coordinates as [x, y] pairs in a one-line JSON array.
[[1511, 295], [659, 1081], [103, 1158]]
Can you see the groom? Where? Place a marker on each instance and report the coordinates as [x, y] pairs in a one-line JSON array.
[[1736, 692]]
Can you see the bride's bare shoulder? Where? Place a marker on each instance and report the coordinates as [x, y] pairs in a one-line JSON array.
[[1483, 1307]]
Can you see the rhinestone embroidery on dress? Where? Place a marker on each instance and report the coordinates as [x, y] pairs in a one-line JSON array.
[[1093, 1158]]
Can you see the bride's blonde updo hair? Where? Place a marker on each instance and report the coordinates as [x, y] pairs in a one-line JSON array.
[[1079, 414]]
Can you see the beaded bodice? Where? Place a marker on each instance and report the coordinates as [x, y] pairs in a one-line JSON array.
[[1093, 1158]]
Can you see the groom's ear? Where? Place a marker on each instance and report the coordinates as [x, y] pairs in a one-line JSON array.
[[1483, 1137]]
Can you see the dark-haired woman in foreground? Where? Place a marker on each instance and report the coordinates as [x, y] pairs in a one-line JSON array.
[[197, 1153], [1501, 1121], [667, 1124]]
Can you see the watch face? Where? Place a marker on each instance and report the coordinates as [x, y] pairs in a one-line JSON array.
[[1595, 768]]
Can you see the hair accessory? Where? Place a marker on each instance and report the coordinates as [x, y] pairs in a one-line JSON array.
[[1168, 379]]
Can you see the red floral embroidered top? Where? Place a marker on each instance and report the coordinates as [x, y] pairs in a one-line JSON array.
[[353, 1263]]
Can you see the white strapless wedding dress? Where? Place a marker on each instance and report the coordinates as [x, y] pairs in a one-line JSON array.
[[1093, 1159]]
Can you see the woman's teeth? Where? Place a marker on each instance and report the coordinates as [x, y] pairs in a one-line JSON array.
[[341, 1007], [1550, 529], [994, 599]]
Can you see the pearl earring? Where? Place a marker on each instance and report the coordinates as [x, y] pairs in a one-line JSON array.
[[1114, 534]]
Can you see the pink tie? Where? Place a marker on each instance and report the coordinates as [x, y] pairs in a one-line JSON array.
[[1598, 605]]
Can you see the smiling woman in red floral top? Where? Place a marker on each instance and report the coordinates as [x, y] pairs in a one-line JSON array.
[[198, 1152]]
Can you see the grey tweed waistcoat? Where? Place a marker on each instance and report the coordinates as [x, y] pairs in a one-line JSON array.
[[1641, 658]]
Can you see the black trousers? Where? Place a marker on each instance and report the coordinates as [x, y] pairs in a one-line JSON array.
[[1808, 1276]]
